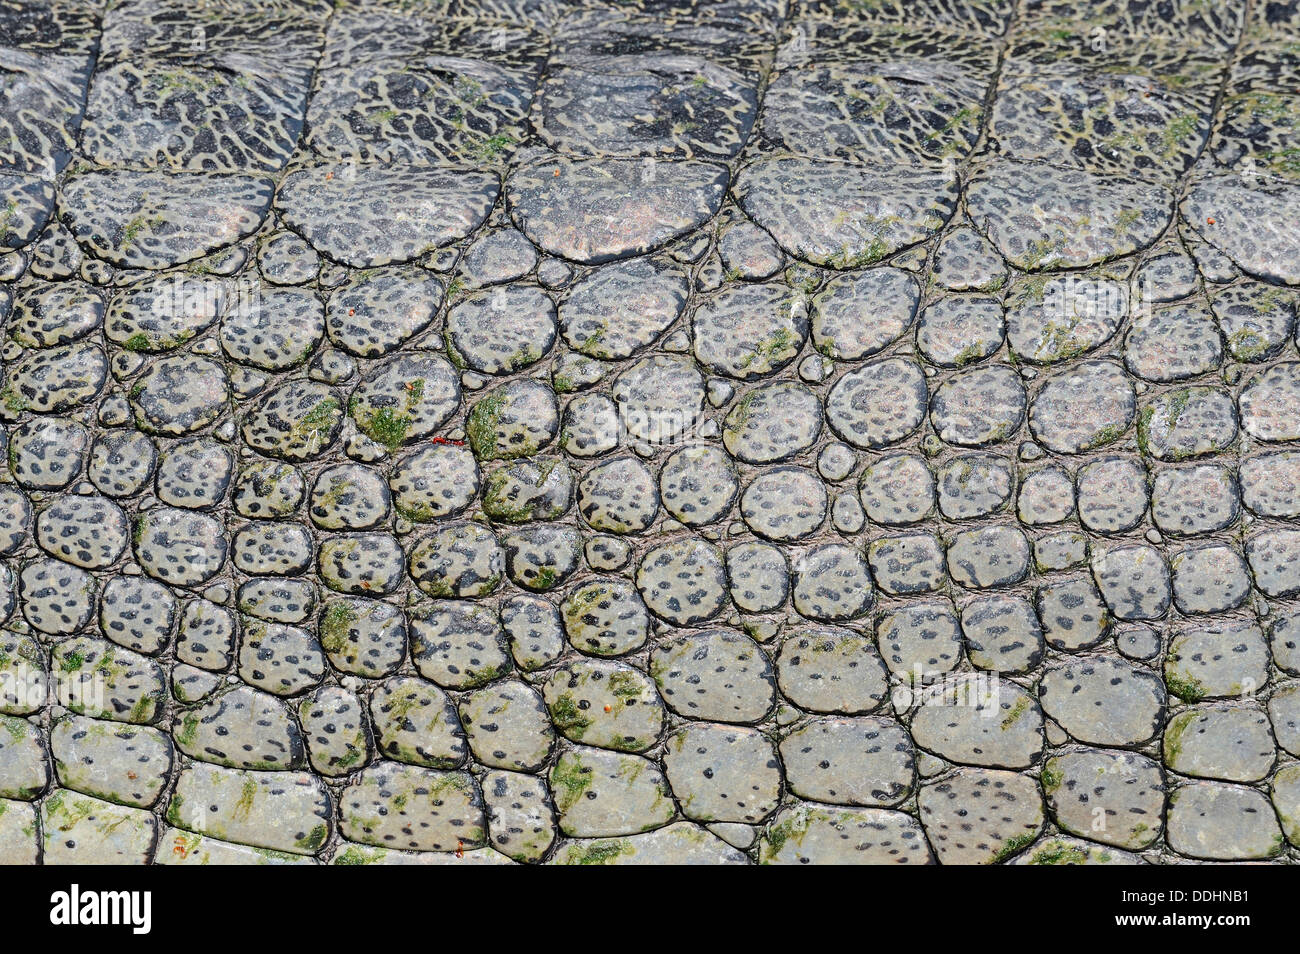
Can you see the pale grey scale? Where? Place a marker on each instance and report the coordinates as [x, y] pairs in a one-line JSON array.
[[1195, 500], [862, 111], [618, 496], [28, 200], [194, 474], [842, 215], [273, 548], [1134, 581], [416, 722], [1254, 133], [139, 614], [746, 693], [195, 117], [349, 497], [280, 659], [977, 815], [268, 490], [48, 316], [749, 331], [531, 489], [541, 557], [621, 308], [1256, 319], [1112, 494], [1166, 276], [297, 421], [979, 406], [206, 635], [784, 504], [1247, 220], [1152, 130], [46, 453], [1173, 343], [1002, 633], [503, 331], [367, 216], [161, 313], [361, 563], [698, 485], [1046, 496], [957, 331], [832, 583], [446, 109], [879, 403], [1083, 407], [285, 259], [1132, 700], [1270, 403], [723, 774], [57, 379], [759, 576], [1056, 320], [601, 210], [90, 532], [1209, 579], [683, 582], [516, 420], [907, 564], [685, 107], [1189, 422], [850, 761], [921, 638], [458, 645], [362, 636], [966, 261], [275, 329], [376, 312], [56, 598], [590, 426], [496, 257], [1073, 614], [1039, 216], [605, 617], [405, 397], [534, 629], [180, 547], [15, 519], [152, 219], [773, 423]]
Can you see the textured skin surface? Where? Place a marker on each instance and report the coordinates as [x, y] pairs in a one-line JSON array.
[[777, 431]]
